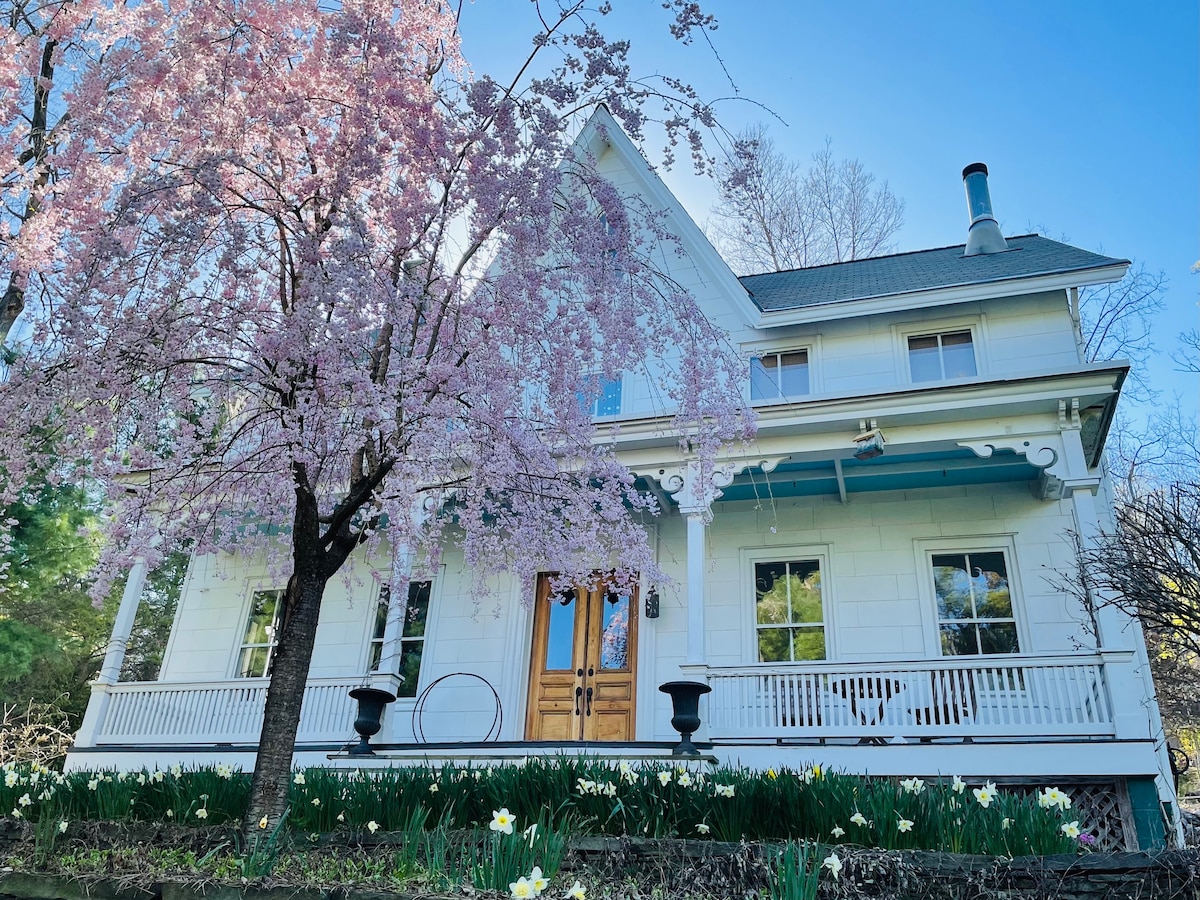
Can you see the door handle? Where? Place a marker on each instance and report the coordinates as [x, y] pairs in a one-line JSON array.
[[589, 701], [578, 694]]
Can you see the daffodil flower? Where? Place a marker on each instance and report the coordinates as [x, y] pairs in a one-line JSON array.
[[433, 788], [539, 882], [1071, 829], [912, 785], [859, 819], [316, 801], [262, 823], [202, 813], [62, 827], [93, 784], [341, 817], [502, 821], [575, 892], [772, 774], [372, 826], [521, 889], [904, 825], [833, 864], [664, 778], [1005, 823], [985, 795], [25, 800], [958, 785], [684, 779], [837, 831], [298, 778], [702, 828], [723, 790]]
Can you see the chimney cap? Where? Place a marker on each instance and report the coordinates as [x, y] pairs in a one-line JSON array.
[[973, 168]]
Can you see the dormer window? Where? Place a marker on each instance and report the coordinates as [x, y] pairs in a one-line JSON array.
[[777, 375], [936, 357]]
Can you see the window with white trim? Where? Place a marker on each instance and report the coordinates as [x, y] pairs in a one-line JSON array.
[[945, 354], [789, 612], [262, 634], [781, 374], [974, 603], [412, 635], [605, 397]]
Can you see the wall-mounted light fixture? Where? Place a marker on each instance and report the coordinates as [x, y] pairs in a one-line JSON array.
[[652, 604], [869, 444]]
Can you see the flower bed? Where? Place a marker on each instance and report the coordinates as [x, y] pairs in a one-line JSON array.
[[506, 828]]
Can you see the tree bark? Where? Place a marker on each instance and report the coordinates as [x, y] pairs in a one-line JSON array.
[[289, 672]]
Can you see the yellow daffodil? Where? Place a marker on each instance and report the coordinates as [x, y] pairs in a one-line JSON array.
[[772, 774], [262, 823]]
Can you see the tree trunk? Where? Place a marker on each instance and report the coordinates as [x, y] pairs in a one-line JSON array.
[[289, 671]]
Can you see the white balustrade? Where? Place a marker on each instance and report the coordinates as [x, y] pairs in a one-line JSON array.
[[961, 697], [226, 712]]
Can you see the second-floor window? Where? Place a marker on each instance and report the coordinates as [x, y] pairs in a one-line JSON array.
[[262, 634], [412, 635], [607, 402], [935, 357], [775, 375]]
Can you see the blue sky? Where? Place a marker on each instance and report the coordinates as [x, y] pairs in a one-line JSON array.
[[1085, 113]]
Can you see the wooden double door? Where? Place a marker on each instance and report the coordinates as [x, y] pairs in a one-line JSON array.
[[583, 670]]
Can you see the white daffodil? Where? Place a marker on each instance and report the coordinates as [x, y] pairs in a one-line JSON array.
[[224, 771], [1052, 796], [316, 801], [859, 819], [904, 825], [664, 778], [985, 795], [170, 814], [702, 828], [958, 785], [158, 777], [837, 831], [684, 779], [262, 823], [372, 826], [575, 892], [1005, 823], [298, 778], [610, 789], [433, 788], [176, 770], [1071, 829], [833, 864], [16, 813], [25, 800], [912, 785], [521, 889], [530, 833], [202, 813], [62, 827], [141, 778], [723, 790], [341, 817], [539, 881], [11, 779], [502, 821], [93, 784]]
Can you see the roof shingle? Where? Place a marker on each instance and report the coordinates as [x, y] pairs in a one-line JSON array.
[[902, 273]]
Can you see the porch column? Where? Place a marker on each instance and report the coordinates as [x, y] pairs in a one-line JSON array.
[[696, 523], [114, 655]]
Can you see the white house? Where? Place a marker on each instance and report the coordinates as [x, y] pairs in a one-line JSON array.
[[897, 612]]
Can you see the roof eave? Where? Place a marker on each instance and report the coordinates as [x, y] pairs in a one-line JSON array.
[[944, 296]]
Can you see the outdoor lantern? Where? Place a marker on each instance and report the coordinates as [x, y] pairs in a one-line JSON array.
[[869, 444], [652, 604]]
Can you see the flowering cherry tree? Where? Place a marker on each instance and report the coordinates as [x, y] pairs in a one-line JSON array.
[[288, 271]]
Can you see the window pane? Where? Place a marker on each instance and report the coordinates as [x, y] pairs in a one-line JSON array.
[[560, 639], [808, 643], [990, 581], [253, 662], [609, 402], [770, 604], [793, 373], [410, 667], [958, 356], [375, 656], [998, 637], [614, 636], [259, 628], [952, 586], [958, 640], [804, 586], [417, 610], [773, 645], [924, 358], [381, 611], [763, 385]]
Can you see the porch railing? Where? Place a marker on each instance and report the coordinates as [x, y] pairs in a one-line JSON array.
[[960, 697], [226, 712]]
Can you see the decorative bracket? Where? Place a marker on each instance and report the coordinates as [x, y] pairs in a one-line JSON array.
[[1041, 451], [1068, 419], [696, 486]]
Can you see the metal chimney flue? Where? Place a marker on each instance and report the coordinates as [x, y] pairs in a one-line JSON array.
[[984, 235]]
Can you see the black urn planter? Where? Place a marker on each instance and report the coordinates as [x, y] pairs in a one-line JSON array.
[[685, 708], [371, 702]]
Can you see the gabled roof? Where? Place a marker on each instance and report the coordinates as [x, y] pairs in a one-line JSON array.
[[1028, 255]]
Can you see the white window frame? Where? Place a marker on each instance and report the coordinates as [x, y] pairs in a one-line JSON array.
[[810, 346], [926, 549], [821, 554], [975, 324], [593, 409], [246, 609]]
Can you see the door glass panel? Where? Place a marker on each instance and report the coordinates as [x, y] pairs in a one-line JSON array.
[[560, 639], [614, 637]]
